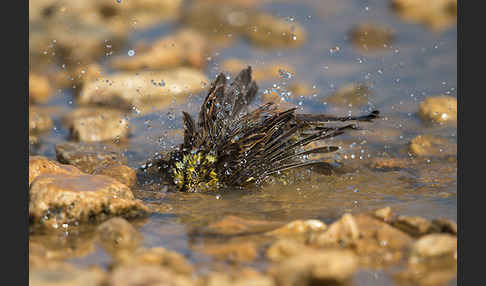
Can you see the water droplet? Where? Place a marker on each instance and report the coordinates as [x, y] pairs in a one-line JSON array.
[[131, 53]]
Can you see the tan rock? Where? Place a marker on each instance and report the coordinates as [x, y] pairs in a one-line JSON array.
[[39, 121], [384, 163], [150, 275], [88, 156], [435, 14], [39, 165], [185, 48], [260, 72], [156, 256], [39, 88], [65, 274], [268, 31], [371, 37], [58, 199], [434, 246], [384, 214], [414, 225], [283, 249], [95, 124], [344, 231], [353, 94], [431, 145], [121, 173], [130, 89], [117, 234], [439, 109], [299, 227], [233, 251], [233, 225], [445, 225], [330, 266]]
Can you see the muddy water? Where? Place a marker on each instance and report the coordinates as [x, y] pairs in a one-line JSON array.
[[419, 63]]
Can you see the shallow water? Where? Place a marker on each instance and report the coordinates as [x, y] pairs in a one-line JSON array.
[[419, 63]]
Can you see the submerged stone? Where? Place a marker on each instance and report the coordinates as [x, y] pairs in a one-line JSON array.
[[153, 275], [117, 234], [431, 145], [371, 37], [39, 120], [39, 88], [353, 94], [435, 14]]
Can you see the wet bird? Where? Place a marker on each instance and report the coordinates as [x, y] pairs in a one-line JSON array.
[[230, 146]]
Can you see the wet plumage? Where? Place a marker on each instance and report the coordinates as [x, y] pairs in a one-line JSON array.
[[231, 146]]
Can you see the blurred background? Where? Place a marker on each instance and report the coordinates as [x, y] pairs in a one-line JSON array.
[[119, 73]]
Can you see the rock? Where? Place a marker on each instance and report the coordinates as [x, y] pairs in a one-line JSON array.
[[318, 268], [260, 28], [299, 227], [95, 124], [121, 173], [39, 88], [283, 249], [156, 256], [300, 89], [439, 109], [431, 145], [415, 226], [233, 251], [374, 241], [130, 89], [59, 199], [267, 31], [39, 165], [185, 48], [260, 72], [434, 246], [344, 231], [370, 37], [233, 225], [150, 275], [240, 278], [66, 274], [435, 14], [39, 121], [117, 234], [445, 225], [384, 214], [352, 94], [88, 156], [389, 164]]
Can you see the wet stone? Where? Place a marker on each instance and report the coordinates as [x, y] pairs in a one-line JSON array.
[[185, 48], [263, 72], [385, 214], [232, 251], [299, 227], [97, 124], [39, 165], [88, 156], [121, 173], [156, 256], [370, 36], [435, 14], [117, 234], [431, 145], [233, 225], [434, 246], [67, 275], [283, 249], [58, 199], [39, 88], [134, 89], [240, 278], [150, 275], [39, 121], [318, 268], [415, 226], [445, 225], [353, 94], [439, 109], [389, 164]]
